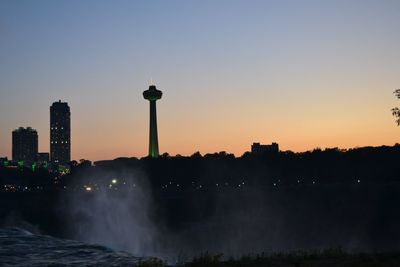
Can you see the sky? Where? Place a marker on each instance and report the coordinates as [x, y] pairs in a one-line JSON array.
[[305, 74]]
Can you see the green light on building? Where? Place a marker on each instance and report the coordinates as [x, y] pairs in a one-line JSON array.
[[33, 167], [21, 163], [6, 163]]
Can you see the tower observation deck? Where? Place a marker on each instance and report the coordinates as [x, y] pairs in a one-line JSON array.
[[153, 94]]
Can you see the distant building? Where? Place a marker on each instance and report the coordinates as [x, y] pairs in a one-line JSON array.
[[24, 144], [60, 133], [258, 149], [43, 157]]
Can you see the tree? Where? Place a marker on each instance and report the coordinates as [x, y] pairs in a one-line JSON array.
[[165, 155], [196, 155], [396, 111]]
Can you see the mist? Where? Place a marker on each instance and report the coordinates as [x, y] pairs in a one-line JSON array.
[[130, 215], [116, 212]]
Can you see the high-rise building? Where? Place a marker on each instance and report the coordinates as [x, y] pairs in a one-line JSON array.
[[60, 133], [24, 144], [152, 94]]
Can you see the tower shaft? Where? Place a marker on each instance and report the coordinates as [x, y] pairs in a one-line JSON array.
[[153, 136]]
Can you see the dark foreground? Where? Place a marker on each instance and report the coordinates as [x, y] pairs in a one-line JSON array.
[[327, 258], [176, 208], [21, 248]]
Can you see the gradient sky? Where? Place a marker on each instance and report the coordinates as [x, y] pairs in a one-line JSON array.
[[305, 74]]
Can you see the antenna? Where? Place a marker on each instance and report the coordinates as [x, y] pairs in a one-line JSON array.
[[151, 81]]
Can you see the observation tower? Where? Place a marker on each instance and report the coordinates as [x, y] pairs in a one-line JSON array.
[[153, 94]]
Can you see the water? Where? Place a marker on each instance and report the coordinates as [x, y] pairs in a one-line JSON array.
[[21, 248]]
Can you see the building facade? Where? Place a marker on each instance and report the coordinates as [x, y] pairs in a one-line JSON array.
[[60, 133], [259, 149], [43, 157], [24, 144]]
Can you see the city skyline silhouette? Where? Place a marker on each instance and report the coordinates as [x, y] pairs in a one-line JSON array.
[[152, 94]]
